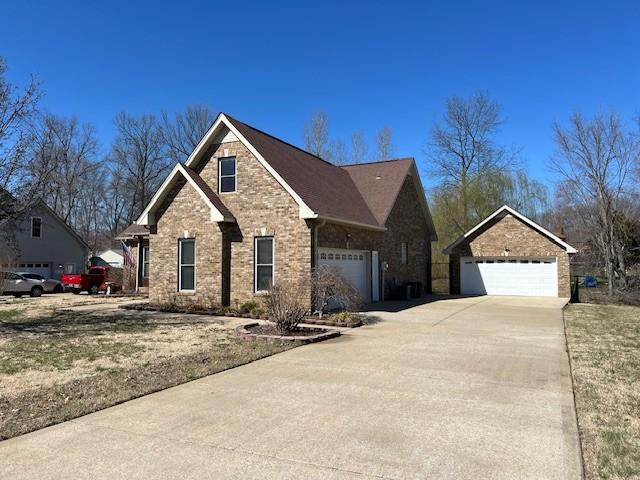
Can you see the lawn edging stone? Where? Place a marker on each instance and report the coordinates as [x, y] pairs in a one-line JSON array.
[[244, 332]]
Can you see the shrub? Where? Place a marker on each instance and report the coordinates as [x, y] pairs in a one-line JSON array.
[[330, 290], [257, 312], [345, 318], [286, 306], [248, 306]]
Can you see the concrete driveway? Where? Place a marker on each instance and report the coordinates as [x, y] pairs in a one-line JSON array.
[[459, 388]]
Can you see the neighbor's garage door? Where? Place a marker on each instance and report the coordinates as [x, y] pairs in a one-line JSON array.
[[352, 265], [509, 276], [43, 269]]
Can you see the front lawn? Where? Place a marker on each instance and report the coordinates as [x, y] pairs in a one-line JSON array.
[[58, 364], [604, 346]]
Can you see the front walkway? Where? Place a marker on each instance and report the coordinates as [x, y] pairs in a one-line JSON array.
[[462, 388]]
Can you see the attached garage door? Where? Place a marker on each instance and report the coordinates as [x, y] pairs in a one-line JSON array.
[[352, 265], [43, 269], [536, 277]]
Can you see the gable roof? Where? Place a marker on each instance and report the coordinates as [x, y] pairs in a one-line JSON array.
[[60, 220], [501, 212], [219, 212], [321, 190], [326, 188], [380, 183]]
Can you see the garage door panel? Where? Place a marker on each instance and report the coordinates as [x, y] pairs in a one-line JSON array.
[[500, 276], [351, 264]]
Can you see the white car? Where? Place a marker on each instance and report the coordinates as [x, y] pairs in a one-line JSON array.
[[17, 285], [51, 285]]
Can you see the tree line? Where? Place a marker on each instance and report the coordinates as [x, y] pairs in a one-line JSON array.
[[597, 200]]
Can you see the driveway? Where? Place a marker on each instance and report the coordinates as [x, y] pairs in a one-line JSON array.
[[458, 388]]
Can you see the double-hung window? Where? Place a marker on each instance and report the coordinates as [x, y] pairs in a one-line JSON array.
[[36, 227], [227, 174], [187, 264], [263, 264]]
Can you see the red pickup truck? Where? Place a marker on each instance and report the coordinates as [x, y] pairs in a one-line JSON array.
[[85, 282]]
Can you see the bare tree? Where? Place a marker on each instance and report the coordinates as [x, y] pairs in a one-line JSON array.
[[463, 148], [286, 306], [384, 145], [595, 159], [16, 111], [359, 148], [316, 135], [182, 132], [138, 153], [70, 148], [338, 153]]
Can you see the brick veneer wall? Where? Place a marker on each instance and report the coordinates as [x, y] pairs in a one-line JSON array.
[[521, 240], [405, 223], [225, 253], [186, 215]]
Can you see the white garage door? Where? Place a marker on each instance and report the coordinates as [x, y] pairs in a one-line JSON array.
[[536, 277], [352, 265], [43, 269]]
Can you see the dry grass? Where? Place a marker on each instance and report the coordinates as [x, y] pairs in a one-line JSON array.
[[57, 364], [604, 345]]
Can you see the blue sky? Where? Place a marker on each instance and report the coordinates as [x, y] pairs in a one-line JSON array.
[[367, 64]]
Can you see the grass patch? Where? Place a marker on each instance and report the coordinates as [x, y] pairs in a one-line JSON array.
[[604, 345], [11, 314], [70, 363]]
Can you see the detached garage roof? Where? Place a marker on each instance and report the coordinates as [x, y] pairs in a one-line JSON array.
[[500, 213]]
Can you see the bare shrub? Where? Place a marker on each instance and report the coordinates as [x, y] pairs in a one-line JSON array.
[[286, 305], [331, 291]]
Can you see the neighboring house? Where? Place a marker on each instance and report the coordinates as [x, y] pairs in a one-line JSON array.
[[509, 254], [46, 245], [248, 209], [113, 257]]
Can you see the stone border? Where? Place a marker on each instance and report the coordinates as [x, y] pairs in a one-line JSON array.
[[243, 332]]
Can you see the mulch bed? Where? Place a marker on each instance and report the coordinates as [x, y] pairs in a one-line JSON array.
[[326, 321], [268, 332]]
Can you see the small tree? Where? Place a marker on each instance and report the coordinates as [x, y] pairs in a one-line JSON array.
[[286, 305], [328, 288]]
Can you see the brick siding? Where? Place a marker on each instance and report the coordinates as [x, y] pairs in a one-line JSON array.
[[521, 240]]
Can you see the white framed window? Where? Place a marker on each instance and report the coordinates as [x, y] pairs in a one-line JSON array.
[[69, 268], [36, 227], [227, 175], [187, 264], [263, 273], [145, 262], [404, 253]]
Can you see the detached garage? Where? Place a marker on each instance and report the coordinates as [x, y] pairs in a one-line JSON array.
[[509, 254]]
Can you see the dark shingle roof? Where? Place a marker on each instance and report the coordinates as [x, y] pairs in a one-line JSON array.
[[133, 230], [379, 183], [327, 189]]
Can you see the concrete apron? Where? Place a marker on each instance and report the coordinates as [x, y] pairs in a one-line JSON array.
[[460, 388]]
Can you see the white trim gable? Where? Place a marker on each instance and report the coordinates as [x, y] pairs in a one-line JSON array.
[[305, 211], [147, 216], [521, 217]]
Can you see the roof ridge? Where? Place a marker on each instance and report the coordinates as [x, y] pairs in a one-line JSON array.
[[280, 140], [377, 161]]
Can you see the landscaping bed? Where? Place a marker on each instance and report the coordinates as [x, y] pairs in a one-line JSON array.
[[269, 332], [60, 364], [604, 348], [341, 319]]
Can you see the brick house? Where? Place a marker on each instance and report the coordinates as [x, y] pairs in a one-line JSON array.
[[247, 208], [509, 254]]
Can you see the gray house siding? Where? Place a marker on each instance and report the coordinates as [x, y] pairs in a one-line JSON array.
[[57, 249]]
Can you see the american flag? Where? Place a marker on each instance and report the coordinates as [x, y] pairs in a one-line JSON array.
[[128, 256]]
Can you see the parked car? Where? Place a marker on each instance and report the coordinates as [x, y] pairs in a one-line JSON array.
[[86, 282], [51, 285], [17, 285]]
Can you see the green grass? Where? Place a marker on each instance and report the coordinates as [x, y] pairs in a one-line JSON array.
[[604, 345], [12, 314]]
